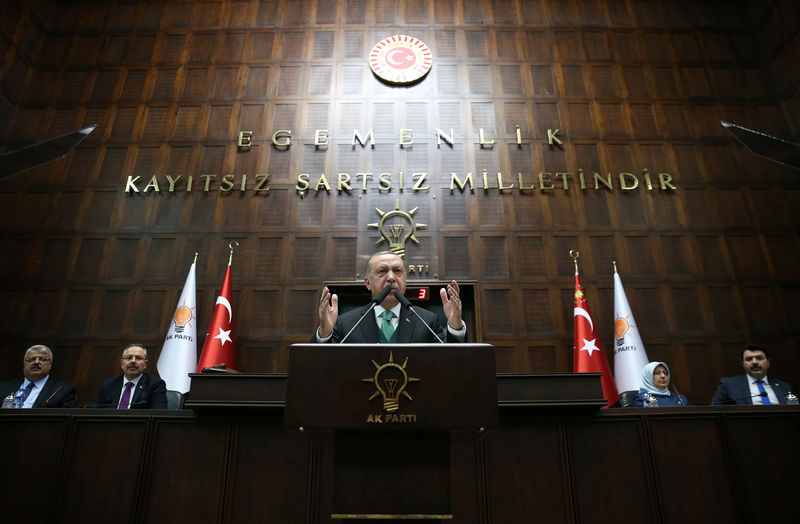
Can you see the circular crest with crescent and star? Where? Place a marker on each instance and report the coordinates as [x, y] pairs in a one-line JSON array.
[[400, 59]]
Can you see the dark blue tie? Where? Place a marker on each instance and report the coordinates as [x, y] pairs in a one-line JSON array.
[[764, 398], [28, 390]]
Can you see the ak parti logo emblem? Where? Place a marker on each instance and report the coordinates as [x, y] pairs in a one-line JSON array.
[[397, 227], [621, 328], [391, 380], [400, 59]]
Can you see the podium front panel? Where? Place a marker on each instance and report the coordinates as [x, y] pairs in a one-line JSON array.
[[391, 386]]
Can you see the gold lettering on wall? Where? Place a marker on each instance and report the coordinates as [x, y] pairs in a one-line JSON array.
[[245, 140], [552, 139], [405, 137], [321, 137], [387, 182], [282, 138]]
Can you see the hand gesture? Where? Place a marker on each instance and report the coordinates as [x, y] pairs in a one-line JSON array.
[[452, 305], [328, 312]]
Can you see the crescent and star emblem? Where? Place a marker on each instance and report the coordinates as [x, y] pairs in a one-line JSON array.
[[580, 312], [400, 59], [589, 346], [224, 301]]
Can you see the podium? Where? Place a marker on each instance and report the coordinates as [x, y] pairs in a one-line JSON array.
[[388, 412]]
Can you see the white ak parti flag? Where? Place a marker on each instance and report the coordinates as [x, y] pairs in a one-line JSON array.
[[629, 354], [179, 353]]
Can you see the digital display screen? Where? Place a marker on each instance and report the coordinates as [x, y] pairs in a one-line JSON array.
[[419, 294]]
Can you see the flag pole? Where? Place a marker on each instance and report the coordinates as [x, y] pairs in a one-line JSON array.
[[614, 262], [195, 258]]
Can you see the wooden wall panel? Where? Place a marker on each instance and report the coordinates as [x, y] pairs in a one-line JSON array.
[[40, 435], [625, 499], [202, 450], [92, 491], [703, 502], [508, 506], [771, 464]]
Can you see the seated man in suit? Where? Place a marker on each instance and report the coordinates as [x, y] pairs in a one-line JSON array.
[[390, 323], [38, 389], [754, 387], [135, 389]]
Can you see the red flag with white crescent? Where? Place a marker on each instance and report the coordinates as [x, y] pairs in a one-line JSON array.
[[219, 347], [589, 354]]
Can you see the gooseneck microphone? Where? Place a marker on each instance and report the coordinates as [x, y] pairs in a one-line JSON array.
[[46, 402], [680, 400], [737, 399], [407, 304], [375, 301]]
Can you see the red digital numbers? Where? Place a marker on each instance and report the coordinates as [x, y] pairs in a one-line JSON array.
[[423, 293]]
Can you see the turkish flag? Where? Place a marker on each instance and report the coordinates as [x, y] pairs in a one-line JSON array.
[[589, 354], [218, 347]]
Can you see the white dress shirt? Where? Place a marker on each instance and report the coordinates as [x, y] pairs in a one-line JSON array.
[[37, 388], [757, 399]]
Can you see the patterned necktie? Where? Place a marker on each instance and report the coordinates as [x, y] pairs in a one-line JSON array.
[[27, 392], [125, 402], [387, 328], [764, 399]]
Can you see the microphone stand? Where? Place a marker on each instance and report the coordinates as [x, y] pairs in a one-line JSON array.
[[680, 400], [375, 301], [46, 402], [407, 304]]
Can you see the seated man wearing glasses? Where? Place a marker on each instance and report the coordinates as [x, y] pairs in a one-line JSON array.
[[135, 389], [38, 389]]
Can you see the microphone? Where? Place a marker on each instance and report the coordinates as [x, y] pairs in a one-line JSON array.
[[375, 301], [46, 402], [680, 400], [382, 295], [407, 304], [737, 399]]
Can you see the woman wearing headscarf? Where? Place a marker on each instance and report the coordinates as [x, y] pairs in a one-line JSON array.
[[655, 381]]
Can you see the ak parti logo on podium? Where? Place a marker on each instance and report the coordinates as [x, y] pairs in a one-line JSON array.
[[400, 59], [391, 381]]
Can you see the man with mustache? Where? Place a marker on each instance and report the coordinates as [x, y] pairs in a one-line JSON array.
[[135, 389], [753, 388], [38, 389], [390, 322]]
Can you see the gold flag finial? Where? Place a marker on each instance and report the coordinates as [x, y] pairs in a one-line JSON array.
[[615, 265], [195, 258], [231, 245], [575, 254]]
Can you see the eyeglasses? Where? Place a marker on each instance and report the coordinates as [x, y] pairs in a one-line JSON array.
[[37, 359], [137, 358]]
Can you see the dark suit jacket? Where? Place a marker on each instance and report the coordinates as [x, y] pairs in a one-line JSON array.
[[736, 390], [409, 330], [150, 393], [54, 394]]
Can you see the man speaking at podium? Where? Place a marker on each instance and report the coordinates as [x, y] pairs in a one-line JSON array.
[[389, 321]]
